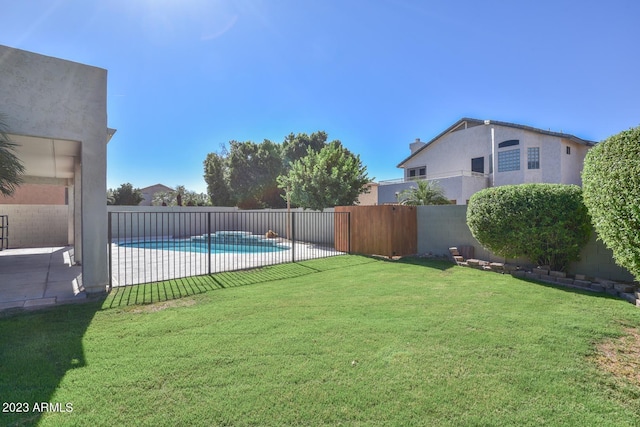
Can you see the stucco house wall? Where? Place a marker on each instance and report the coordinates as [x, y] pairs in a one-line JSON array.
[[370, 198], [48, 103], [452, 154], [448, 158]]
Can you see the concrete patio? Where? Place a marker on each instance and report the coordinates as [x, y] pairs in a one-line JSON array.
[[39, 277]]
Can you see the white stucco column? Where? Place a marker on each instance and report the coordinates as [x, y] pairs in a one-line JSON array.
[[95, 272]]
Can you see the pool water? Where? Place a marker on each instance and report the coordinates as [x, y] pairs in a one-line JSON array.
[[221, 242]]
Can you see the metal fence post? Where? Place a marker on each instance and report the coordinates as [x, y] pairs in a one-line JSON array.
[[109, 251], [209, 240], [293, 237]]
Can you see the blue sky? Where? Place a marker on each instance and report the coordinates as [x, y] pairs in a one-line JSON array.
[[185, 76]]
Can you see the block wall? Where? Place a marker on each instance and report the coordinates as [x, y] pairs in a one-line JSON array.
[[37, 225], [441, 227]]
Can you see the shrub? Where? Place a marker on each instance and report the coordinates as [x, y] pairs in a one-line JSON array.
[[546, 223], [611, 180]]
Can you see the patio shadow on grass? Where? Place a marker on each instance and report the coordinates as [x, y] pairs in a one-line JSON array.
[[32, 365], [151, 293]]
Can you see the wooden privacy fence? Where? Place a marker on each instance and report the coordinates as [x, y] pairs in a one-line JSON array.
[[388, 230]]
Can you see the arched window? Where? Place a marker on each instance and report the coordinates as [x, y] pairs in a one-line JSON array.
[[509, 143]]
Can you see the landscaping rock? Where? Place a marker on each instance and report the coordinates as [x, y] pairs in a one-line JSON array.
[[532, 276], [497, 266], [467, 251], [582, 283], [611, 291], [627, 291], [541, 271], [548, 279], [630, 297], [564, 280], [607, 284], [624, 288]]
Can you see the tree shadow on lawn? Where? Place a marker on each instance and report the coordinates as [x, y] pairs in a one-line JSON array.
[[439, 264], [37, 349], [150, 293]]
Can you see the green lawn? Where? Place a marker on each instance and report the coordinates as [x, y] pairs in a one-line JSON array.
[[347, 340]]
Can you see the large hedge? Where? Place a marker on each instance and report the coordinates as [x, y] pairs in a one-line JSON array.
[[611, 181], [545, 223]]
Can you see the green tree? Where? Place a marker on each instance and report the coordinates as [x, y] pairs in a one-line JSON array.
[[611, 185], [426, 193], [11, 168], [295, 147], [163, 198], [216, 177], [126, 195], [181, 196], [331, 177], [196, 199], [546, 223], [253, 172], [111, 198]]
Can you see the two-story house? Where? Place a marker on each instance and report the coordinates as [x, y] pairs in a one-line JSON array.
[[475, 154]]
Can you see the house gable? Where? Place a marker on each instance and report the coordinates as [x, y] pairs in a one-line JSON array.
[[467, 123]]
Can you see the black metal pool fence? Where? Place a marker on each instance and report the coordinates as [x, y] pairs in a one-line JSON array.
[[154, 246]]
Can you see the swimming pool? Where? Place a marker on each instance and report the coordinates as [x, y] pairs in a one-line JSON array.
[[242, 242]]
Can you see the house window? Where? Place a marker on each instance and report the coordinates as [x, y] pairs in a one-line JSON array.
[[417, 173], [568, 150], [533, 158], [477, 165], [509, 143], [490, 163], [509, 160]]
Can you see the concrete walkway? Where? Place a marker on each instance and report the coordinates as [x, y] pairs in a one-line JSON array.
[[39, 277]]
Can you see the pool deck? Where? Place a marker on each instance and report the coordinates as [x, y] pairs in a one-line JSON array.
[[43, 277], [132, 266], [39, 277]]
